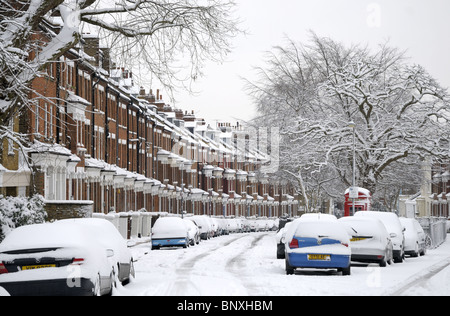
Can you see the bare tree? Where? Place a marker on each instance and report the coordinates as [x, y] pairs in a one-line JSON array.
[[400, 111], [160, 34]]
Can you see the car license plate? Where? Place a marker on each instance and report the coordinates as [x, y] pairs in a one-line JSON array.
[[39, 267], [319, 257], [358, 239]]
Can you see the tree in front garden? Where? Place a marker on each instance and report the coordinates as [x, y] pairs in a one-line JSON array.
[[400, 115]]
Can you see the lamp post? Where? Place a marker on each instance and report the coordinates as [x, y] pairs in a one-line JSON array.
[[352, 125]]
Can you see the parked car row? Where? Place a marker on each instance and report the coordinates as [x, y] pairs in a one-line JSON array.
[[88, 257], [178, 232], [79, 257], [322, 241]]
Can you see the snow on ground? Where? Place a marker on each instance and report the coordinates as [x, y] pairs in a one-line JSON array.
[[246, 265]]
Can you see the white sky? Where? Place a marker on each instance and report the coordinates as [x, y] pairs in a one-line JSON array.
[[422, 28]]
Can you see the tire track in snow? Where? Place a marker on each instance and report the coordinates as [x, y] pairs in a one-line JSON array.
[[183, 284], [236, 265], [422, 278], [189, 264]]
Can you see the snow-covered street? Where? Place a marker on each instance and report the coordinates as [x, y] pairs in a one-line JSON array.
[[246, 265]]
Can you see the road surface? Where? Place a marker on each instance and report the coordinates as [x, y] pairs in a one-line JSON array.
[[246, 265]]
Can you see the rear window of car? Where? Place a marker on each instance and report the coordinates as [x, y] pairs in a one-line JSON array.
[[320, 229]]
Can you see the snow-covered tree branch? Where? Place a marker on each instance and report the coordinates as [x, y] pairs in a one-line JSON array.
[[156, 34], [400, 111]]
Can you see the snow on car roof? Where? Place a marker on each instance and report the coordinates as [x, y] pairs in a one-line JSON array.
[[364, 226], [169, 226], [322, 229], [43, 236], [390, 220], [318, 216]]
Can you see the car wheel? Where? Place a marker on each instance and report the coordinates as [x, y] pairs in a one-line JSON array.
[[346, 271], [428, 242], [398, 259], [289, 269], [280, 251], [423, 252]]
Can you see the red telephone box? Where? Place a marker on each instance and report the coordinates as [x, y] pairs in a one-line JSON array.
[[362, 203]]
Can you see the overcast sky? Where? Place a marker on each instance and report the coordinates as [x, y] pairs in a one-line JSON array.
[[422, 28]]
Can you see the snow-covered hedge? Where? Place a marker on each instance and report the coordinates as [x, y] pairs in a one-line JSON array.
[[20, 211]]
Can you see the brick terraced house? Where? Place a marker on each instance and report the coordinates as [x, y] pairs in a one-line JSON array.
[[101, 144]]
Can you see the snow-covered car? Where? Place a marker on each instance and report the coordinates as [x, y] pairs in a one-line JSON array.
[[280, 238], [245, 224], [254, 227], [394, 228], [170, 232], [317, 244], [223, 226], [203, 225], [55, 260], [194, 232], [233, 225], [415, 237], [104, 232], [263, 225], [369, 240]]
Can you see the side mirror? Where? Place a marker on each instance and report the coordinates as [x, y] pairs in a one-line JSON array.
[[109, 253], [393, 235]]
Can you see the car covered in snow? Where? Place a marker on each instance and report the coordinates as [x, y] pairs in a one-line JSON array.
[[194, 232], [204, 225], [104, 233], [55, 260], [233, 226], [394, 228], [254, 226], [170, 232], [369, 240], [317, 244], [415, 237], [280, 238]]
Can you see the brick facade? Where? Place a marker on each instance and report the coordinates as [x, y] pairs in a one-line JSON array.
[[124, 149]]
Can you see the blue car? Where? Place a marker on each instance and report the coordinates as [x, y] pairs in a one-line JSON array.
[[173, 242], [170, 232], [319, 245]]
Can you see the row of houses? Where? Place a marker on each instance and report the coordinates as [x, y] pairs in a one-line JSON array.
[[434, 195], [98, 143]]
